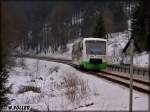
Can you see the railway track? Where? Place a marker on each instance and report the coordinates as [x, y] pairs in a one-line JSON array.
[[138, 85]]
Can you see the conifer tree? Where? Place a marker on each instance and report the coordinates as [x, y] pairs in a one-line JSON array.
[[3, 79], [140, 24], [99, 27]]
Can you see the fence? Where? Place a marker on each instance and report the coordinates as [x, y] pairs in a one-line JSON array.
[[126, 69]]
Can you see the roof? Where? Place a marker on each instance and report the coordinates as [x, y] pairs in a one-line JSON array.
[[127, 46]]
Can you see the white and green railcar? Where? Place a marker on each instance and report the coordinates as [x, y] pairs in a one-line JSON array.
[[90, 53]]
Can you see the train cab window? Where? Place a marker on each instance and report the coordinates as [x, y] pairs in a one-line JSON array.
[[96, 47]]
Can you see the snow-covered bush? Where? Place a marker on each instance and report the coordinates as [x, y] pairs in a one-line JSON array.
[[76, 88]]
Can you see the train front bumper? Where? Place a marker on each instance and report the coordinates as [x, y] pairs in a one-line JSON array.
[[94, 66]]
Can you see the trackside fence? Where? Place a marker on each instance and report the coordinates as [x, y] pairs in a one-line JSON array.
[[126, 69]]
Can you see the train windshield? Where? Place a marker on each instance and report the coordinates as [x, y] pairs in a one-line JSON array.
[[96, 47]]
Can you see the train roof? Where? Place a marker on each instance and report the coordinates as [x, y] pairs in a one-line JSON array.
[[91, 38]]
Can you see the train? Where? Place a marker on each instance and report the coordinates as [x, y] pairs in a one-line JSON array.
[[90, 53]]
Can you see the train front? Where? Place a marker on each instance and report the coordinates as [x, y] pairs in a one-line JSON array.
[[95, 54]]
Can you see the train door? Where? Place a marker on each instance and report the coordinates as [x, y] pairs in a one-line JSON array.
[[77, 52], [80, 53]]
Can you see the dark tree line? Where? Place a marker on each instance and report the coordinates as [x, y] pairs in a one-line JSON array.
[[42, 24], [53, 24], [141, 24], [39, 25]]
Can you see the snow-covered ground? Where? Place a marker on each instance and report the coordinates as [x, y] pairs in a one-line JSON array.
[[47, 85]]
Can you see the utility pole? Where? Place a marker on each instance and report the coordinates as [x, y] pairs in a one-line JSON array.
[[131, 75], [131, 62], [132, 45]]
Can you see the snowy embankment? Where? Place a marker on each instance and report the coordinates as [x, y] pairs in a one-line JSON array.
[[116, 43], [59, 54], [47, 85]]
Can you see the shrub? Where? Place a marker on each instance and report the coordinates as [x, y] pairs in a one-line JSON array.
[[29, 88], [76, 88]]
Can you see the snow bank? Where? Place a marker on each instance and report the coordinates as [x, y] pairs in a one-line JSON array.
[[59, 54], [141, 60], [49, 77], [116, 43]]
